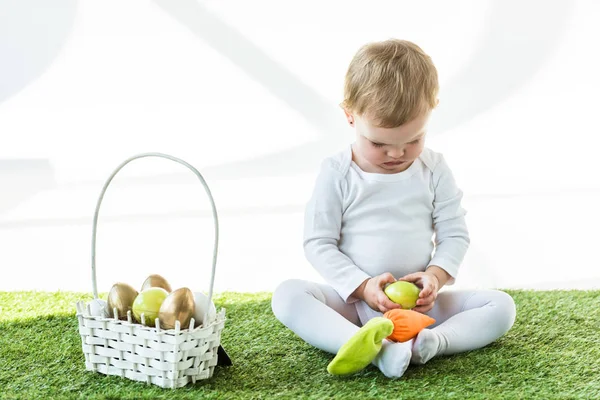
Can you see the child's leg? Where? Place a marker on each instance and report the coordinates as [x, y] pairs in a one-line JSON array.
[[317, 314], [465, 320]]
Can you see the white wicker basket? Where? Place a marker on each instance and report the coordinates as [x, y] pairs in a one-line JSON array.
[[167, 358]]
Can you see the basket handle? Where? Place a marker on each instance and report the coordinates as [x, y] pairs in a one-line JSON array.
[[212, 203]]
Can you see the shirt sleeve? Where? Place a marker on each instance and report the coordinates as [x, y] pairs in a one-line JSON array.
[[322, 226], [451, 233]]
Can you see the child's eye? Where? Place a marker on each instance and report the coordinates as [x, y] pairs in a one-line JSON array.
[[415, 141], [377, 144]]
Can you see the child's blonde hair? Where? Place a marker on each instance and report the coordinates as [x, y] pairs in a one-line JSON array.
[[390, 82]]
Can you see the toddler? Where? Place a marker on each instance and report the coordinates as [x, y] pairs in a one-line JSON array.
[[388, 208]]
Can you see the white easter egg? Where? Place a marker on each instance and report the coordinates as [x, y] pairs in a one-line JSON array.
[[200, 301], [98, 308]]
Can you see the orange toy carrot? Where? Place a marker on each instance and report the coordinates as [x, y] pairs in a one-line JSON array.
[[407, 324]]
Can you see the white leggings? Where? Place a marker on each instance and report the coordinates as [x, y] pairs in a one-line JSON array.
[[466, 320]]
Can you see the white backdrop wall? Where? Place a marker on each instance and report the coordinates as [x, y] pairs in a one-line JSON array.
[[248, 92]]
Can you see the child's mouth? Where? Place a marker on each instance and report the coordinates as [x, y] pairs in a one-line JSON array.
[[394, 163]]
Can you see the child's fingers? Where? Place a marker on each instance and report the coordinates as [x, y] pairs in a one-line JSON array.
[[414, 277], [428, 287], [426, 300], [426, 291], [385, 304], [385, 279], [423, 309]]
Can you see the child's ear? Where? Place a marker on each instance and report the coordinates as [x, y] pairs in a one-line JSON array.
[[349, 117]]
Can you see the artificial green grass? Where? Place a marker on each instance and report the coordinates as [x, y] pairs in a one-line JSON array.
[[552, 352]]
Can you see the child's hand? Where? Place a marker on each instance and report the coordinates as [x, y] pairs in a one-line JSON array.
[[371, 292], [429, 285]]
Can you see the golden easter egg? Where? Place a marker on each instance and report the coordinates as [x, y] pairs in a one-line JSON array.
[[178, 306], [156, 280], [121, 297]]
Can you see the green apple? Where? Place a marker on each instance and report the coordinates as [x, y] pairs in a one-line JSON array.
[[148, 302], [404, 293]]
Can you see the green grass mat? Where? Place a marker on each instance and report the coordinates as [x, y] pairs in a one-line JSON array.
[[552, 352]]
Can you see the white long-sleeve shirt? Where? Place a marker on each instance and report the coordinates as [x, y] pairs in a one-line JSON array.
[[359, 224]]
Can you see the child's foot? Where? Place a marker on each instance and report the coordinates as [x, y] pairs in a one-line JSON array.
[[393, 359], [426, 346]]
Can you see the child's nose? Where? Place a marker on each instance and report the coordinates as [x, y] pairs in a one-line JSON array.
[[396, 152]]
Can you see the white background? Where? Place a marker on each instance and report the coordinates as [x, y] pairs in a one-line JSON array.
[[248, 93]]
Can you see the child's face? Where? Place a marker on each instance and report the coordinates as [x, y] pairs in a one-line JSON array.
[[387, 150]]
